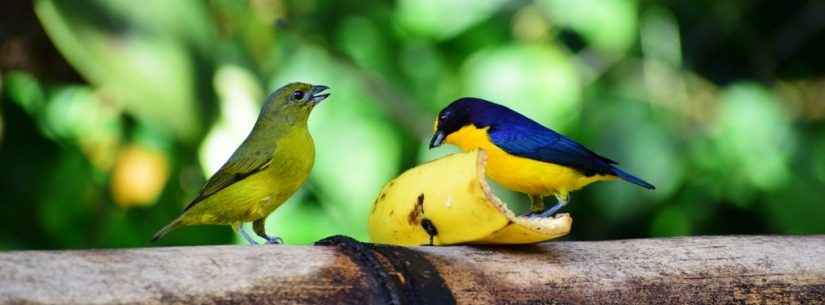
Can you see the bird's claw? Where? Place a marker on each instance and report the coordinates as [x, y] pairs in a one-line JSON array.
[[274, 240], [531, 214], [548, 213], [246, 237]]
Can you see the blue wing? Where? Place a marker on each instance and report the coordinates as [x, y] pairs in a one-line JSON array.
[[531, 140], [523, 137]]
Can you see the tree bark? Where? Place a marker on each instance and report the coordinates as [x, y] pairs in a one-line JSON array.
[[690, 270]]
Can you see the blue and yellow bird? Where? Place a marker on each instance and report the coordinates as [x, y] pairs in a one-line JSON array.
[[523, 155]]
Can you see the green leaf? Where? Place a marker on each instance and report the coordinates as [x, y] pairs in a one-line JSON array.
[[753, 137], [538, 81], [609, 25], [147, 71], [443, 19]]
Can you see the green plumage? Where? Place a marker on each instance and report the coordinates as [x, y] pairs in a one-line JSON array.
[[265, 170]]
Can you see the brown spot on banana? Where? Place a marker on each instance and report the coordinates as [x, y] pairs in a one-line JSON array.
[[417, 212]]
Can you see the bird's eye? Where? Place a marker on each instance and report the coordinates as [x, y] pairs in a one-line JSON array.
[[298, 95]]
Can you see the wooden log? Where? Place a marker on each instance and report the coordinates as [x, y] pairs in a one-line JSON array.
[[690, 270]]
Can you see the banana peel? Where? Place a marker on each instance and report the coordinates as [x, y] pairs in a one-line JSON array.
[[448, 201]]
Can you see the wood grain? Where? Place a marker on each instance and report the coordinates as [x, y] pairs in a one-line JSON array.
[[691, 270]]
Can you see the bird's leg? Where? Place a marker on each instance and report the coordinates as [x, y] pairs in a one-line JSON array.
[[239, 227], [258, 227], [563, 199], [536, 205]]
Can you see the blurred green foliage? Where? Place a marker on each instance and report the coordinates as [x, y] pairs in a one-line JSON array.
[[114, 112]]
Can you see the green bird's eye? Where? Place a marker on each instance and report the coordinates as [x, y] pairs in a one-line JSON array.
[[298, 95]]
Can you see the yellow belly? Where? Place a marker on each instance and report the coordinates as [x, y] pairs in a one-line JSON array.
[[258, 195], [248, 200], [521, 174]]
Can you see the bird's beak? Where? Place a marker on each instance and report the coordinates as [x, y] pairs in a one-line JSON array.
[[316, 96], [438, 139]]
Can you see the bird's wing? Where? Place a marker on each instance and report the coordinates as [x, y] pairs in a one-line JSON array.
[[243, 163], [534, 141]]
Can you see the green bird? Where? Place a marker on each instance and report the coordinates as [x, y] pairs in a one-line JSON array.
[[270, 165]]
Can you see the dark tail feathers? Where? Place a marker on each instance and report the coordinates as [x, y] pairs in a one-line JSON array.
[[632, 179]]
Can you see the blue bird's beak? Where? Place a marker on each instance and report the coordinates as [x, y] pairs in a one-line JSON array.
[[438, 139]]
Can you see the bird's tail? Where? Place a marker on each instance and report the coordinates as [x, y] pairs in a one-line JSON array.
[[632, 179], [171, 226]]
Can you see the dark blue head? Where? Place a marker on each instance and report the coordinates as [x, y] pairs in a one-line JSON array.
[[470, 111]]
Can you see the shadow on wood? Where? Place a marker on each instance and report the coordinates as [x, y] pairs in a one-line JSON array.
[[691, 270]]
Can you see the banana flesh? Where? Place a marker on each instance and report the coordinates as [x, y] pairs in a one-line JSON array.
[[448, 201]]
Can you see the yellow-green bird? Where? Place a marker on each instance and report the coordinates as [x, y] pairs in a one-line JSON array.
[[270, 165]]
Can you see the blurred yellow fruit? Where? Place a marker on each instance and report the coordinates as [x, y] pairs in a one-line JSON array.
[[139, 176], [448, 201]]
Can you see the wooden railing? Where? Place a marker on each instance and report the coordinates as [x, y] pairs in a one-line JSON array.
[[690, 270]]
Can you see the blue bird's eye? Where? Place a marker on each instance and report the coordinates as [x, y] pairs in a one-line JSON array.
[[298, 95]]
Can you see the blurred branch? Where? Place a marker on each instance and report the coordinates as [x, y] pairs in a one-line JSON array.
[[399, 105], [25, 46], [691, 270]]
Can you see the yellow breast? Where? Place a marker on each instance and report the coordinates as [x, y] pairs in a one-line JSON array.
[[517, 173], [258, 195]]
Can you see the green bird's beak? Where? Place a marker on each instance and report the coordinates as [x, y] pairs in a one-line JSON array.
[[316, 96]]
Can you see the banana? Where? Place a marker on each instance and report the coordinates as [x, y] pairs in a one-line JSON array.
[[448, 201]]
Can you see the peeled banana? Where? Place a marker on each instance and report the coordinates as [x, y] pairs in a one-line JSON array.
[[448, 201]]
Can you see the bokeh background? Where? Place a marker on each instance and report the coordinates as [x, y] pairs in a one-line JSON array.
[[113, 113]]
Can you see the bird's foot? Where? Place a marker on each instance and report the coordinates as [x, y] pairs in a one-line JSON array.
[[547, 213], [563, 199], [531, 214], [274, 240], [246, 237]]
